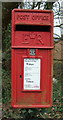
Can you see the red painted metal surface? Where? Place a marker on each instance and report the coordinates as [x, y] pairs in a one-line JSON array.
[[32, 29]]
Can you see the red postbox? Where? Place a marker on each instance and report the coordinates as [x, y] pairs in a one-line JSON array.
[[32, 44]]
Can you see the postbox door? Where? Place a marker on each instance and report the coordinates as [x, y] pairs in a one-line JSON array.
[[32, 97]]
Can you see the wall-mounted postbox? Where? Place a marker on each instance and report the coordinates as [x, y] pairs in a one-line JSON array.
[[32, 44]]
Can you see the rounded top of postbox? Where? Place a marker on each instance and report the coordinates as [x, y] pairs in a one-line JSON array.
[[31, 10]]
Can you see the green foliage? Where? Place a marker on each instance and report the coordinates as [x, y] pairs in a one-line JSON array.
[[48, 5], [6, 85], [7, 38], [58, 66], [7, 48]]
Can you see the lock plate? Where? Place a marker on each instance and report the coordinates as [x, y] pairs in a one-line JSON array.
[[32, 52]]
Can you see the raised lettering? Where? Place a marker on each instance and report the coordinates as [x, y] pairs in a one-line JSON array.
[[22, 17], [36, 17]]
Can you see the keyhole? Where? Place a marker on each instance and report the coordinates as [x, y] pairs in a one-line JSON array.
[[20, 76]]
